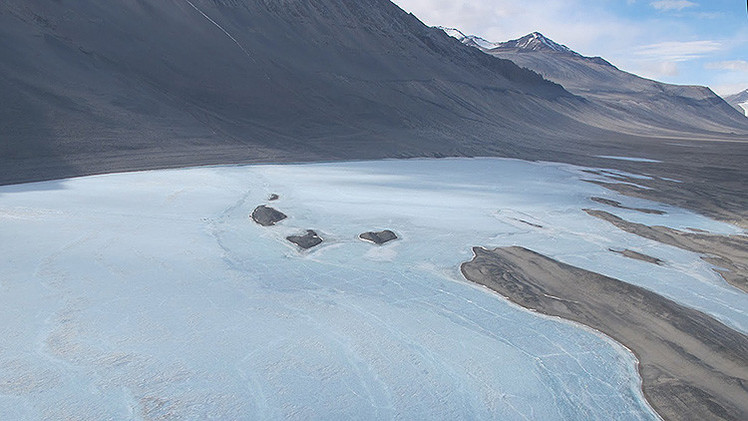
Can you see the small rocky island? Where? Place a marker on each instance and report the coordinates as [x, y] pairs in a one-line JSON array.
[[273, 197], [631, 254], [619, 205], [378, 238], [306, 241], [267, 216]]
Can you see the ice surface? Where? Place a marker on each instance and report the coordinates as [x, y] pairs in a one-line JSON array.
[[674, 217], [153, 295]]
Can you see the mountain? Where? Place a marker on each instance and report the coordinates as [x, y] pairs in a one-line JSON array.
[[739, 101], [534, 42], [94, 87], [632, 103], [91, 87]]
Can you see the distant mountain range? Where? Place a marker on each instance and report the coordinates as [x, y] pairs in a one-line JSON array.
[[90, 87], [629, 99], [739, 101]]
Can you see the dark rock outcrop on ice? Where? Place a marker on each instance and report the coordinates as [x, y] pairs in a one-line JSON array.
[[378, 237], [306, 241], [267, 216]]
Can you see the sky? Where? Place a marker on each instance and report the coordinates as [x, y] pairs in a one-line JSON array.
[[689, 42]]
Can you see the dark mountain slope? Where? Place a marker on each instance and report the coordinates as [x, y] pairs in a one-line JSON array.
[[135, 84], [92, 87]]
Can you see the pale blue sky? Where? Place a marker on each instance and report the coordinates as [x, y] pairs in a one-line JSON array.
[[700, 42]]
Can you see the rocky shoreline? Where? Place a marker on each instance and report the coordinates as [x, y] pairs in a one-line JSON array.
[[728, 253], [692, 366]]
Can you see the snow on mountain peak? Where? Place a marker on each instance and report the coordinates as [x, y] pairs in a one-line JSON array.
[[531, 42], [452, 32], [472, 40], [537, 42], [739, 101]]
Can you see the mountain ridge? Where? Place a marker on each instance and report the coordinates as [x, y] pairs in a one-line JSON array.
[[251, 79], [472, 40], [91, 88], [535, 41], [626, 97], [739, 101]]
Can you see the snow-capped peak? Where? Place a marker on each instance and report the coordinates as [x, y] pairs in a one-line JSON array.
[[739, 101], [472, 40], [536, 42], [454, 33], [739, 97], [531, 42]]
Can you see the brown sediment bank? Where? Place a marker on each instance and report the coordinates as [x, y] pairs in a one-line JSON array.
[[631, 254], [730, 253], [693, 367], [617, 204], [719, 195]]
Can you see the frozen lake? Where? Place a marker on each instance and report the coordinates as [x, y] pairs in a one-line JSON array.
[[152, 295]]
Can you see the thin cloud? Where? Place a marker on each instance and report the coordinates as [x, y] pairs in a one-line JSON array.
[[678, 51], [667, 69], [730, 88], [656, 70], [666, 5], [732, 65]]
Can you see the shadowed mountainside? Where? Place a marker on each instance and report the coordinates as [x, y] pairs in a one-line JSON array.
[[186, 82], [90, 88]]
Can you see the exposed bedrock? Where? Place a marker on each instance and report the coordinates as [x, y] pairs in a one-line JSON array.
[[267, 216], [378, 237], [306, 241]]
